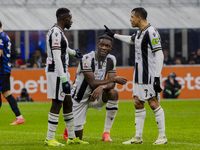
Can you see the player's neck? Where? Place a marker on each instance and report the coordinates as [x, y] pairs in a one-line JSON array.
[[143, 25], [99, 58], [1, 30], [60, 25]]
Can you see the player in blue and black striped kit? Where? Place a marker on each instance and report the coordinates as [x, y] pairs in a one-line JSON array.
[[5, 71]]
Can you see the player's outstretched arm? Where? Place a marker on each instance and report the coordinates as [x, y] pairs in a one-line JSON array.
[[109, 32], [124, 38]]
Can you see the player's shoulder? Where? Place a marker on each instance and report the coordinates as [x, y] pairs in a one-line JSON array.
[[151, 29], [55, 29], [4, 36], [111, 56], [89, 55]]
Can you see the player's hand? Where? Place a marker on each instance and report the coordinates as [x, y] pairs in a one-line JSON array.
[[78, 54], [120, 80], [109, 32], [156, 85], [66, 87], [96, 93]]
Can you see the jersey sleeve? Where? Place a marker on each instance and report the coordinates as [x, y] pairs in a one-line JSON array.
[[56, 40], [133, 37], [155, 40], [2, 43], [112, 65], [86, 64]]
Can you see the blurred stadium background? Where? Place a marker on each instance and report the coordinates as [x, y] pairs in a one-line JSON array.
[[27, 21]]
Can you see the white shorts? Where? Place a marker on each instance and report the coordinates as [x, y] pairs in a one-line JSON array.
[[54, 86], [80, 110], [144, 91]]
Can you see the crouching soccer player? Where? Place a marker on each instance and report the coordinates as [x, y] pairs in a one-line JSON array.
[[92, 90]]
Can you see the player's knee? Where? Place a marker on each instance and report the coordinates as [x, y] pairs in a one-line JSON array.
[[111, 94], [56, 106], [6, 93], [153, 104], [138, 104]]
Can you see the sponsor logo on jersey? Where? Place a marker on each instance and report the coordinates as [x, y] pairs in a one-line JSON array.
[[56, 41], [155, 41], [85, 65]]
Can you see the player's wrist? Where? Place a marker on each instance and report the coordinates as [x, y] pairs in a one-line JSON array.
[[103, 86], [114, 79]]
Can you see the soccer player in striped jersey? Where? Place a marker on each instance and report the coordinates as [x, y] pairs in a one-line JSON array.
[[91, 89], [5, 71], [58, 86], [148, 66]]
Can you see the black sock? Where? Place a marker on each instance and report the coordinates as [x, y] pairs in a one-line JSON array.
[[13, 104]]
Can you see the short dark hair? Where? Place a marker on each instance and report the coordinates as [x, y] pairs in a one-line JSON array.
[[173, 75], [140, 11], [105, 36], [0, 24], [62, 11]]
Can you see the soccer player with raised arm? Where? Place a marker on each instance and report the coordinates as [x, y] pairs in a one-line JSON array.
[[147, 71], [91, 89], [58, 86], [5, 71]]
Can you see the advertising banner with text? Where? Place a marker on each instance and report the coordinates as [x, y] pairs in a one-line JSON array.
[[35, 82]]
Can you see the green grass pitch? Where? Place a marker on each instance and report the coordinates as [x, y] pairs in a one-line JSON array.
[[182, 118]]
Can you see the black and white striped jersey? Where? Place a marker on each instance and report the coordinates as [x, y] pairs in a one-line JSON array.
[[80, 89], [56, 40], [147, 42]]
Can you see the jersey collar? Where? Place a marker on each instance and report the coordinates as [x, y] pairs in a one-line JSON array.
[[146, 27], [58, 27]]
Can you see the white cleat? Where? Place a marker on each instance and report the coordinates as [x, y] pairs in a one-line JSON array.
[[134, 140], [160, 140]]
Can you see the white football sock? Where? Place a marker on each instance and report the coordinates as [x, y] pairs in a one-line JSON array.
[[52, 125], [69, 122], [160, 120], [140, 115], [19, 117], [111, 111]]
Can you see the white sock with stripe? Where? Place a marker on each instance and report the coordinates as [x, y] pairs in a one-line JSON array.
[[52, 125], [111, 111], [69, 122], [160, 120], [140, 115]]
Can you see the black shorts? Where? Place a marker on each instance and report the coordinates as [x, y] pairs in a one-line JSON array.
[[5, 82]]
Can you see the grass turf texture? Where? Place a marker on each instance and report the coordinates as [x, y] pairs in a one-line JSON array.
[[182, 127]]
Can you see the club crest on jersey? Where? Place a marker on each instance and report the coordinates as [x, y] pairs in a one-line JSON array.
[[62, 94], [104, 64], [85, 65]]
